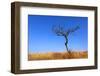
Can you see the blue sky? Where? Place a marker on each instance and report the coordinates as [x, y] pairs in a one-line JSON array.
[[41, 38]]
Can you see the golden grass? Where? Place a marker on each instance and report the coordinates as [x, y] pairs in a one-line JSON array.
[[57, 55]]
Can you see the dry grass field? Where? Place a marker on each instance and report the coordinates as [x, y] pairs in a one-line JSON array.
[[57, 55]]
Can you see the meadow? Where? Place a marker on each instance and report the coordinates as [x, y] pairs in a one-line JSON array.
[[57, 55]]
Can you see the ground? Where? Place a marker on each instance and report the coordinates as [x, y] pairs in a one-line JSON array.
[[57, 55]]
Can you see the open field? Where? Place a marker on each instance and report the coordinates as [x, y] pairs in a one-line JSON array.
[[57, 55]]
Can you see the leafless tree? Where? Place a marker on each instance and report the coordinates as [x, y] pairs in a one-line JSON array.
[[61, 31]]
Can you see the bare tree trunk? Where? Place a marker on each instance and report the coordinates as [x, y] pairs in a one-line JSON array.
[[66, 43], [68, 51]]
